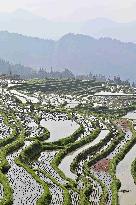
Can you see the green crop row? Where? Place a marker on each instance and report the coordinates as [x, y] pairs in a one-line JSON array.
[[114, 162]]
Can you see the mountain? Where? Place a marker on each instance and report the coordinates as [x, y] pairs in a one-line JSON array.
[[19, 49], [79, 53], [102, 27], [26, 23]]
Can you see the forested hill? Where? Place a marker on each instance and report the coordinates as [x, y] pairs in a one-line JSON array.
[[7, 68], [79, 53]]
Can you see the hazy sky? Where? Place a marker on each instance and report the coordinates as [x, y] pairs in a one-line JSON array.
[[75, 10]]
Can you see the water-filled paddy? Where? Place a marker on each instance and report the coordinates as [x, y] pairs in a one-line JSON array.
[[131, 115], [59, 128], [65, 163], [123, 173], [25, 189]]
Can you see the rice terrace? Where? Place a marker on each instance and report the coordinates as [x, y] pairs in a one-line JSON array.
[[67, 142]]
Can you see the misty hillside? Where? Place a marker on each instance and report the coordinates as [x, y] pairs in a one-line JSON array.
[[7, 68], [79, 53], [26, 23], [102, 27]]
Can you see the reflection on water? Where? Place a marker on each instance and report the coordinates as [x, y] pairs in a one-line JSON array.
[[59, 128], [131, 115], [127, 183], [65, 163]]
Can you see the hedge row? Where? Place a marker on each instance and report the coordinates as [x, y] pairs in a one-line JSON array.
[[113, 164], [31, 152], [98, 157], [7, 146], [26, 157], [58, 158], [90, 150], [104, 196], [133, 170], [67, 140], [45, 199], [106, 152], [46, 134], [75, 145], [85, 192], [67, 198], [4, 167], [8, 194]]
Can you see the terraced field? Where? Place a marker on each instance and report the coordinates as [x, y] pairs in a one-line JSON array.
[[67, 142]]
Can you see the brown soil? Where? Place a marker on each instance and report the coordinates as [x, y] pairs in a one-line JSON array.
[[102, 165]]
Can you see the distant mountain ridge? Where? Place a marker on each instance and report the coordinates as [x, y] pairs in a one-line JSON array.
[[79, 53], [26, 23]]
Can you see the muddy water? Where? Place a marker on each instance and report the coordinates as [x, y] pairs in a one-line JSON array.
[[25, 189], [65, 163], [131, 115], [123, 173], [59, 128]]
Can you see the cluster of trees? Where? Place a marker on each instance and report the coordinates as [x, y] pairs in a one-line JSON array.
[[27, 72], [17, 69], [42, 73]]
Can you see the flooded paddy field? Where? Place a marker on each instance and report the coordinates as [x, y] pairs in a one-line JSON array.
[[26, 190], [67, 142], [58, 126], [127, 192], [66, 162]]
